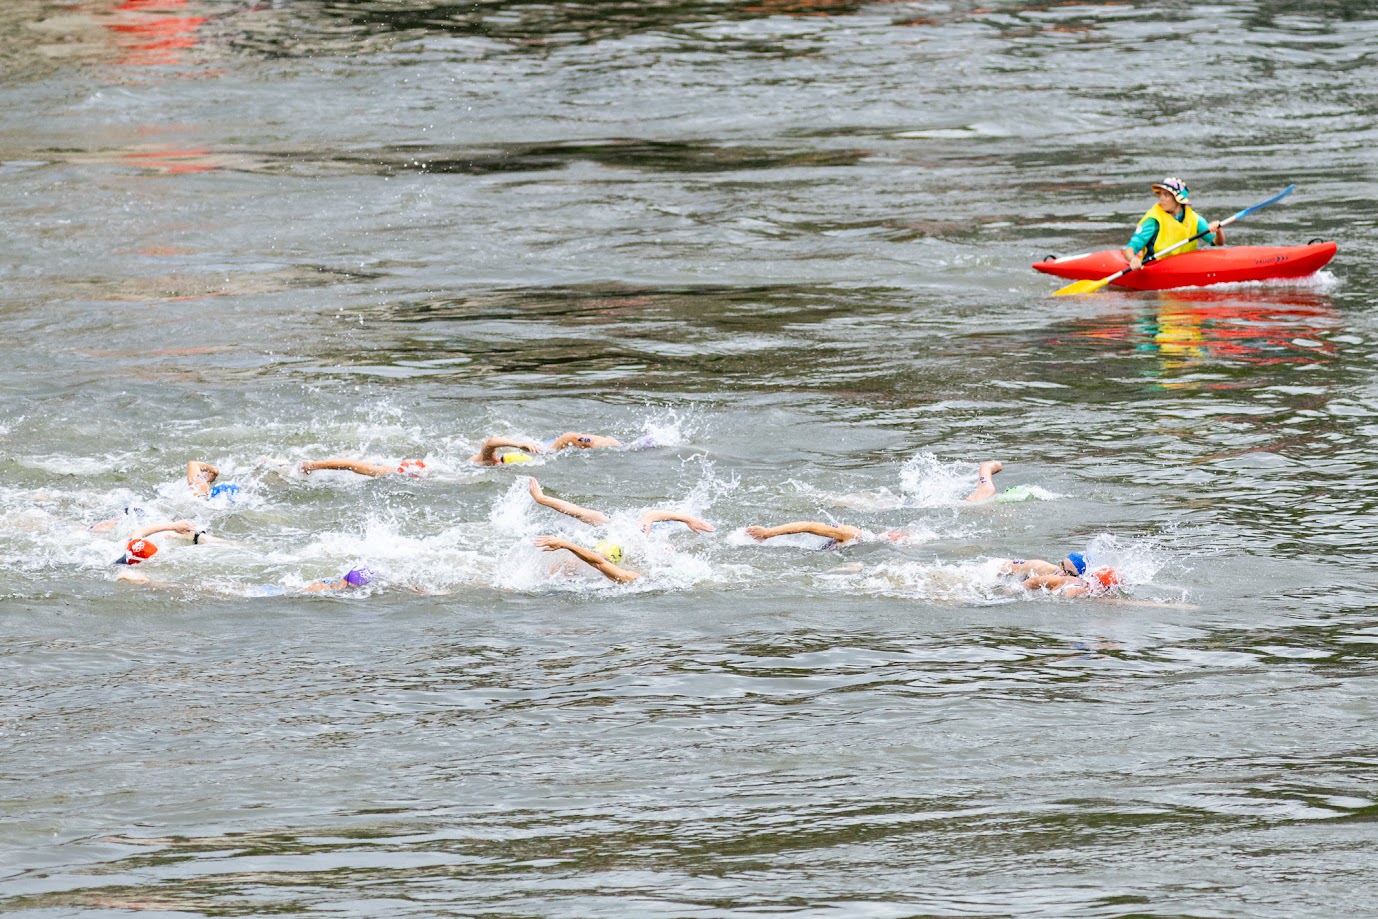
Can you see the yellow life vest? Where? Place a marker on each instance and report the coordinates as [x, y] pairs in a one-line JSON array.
[[1170, 230]]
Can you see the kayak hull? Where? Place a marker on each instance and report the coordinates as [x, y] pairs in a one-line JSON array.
[[1223, 265]]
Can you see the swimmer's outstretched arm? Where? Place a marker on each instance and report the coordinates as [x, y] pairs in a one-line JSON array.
[[487, 454], [584, 441], [183, 527], [200, 476], [1027, 567], [844, 533], [985, 480], [589, 557], [651, 518], [569, 508], [347, 465]]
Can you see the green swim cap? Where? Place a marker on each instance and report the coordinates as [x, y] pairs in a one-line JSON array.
[[1016, 493]]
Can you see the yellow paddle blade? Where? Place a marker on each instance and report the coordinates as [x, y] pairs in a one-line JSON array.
[[1083, 287]]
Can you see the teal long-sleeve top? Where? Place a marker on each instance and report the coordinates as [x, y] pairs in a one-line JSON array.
[[1148, 232]]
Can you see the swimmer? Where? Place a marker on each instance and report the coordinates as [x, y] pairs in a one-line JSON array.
[[201, 480], [1068, 578], [604, 560], [141, 549], [409, 467], [649, 518], [985, 487], [354, 577], [524, 451]]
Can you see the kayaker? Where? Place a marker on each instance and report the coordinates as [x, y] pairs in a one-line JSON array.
[[1170, 221]]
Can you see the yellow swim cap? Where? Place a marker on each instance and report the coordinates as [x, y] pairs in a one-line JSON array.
[[516, 456], [609, 550]]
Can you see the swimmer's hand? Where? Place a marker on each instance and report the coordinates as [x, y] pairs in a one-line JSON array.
[[757, 533], [550, 543], [697, 525], [200, 476], [651, 518]]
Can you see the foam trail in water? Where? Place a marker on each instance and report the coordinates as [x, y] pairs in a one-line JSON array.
[[512, 512], [977, 583], [663, 429]]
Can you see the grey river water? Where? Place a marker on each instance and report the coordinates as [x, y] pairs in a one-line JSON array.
[[787, 243]]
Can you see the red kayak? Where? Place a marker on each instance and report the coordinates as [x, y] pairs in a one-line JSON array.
[[1223, 265]]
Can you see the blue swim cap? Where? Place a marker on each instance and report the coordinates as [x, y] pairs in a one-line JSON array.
[[224, 491], [1078, 561]]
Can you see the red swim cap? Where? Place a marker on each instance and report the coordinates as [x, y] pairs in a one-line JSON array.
[[1105, 578], [413, 468], [138, 550]]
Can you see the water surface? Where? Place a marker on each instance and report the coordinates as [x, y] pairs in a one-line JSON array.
[[790, 243]]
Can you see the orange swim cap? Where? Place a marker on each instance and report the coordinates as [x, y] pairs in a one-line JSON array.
[[137, 551], [1106, 578], [413, 468]]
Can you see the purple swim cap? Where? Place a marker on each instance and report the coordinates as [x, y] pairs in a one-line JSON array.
[[358, 577]]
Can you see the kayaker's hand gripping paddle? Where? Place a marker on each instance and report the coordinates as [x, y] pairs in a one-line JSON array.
[[1090, 287]]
